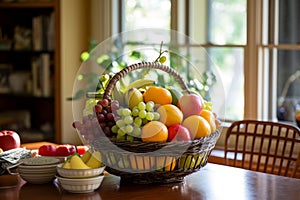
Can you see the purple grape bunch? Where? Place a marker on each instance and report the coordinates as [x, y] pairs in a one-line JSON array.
[[103, 119]]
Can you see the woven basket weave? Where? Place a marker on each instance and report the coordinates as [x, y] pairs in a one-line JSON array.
[[135, 161]]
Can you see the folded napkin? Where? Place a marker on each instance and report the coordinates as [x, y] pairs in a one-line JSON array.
[[11, 157]]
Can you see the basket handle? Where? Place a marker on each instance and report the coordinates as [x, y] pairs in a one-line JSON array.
[[147, 65]]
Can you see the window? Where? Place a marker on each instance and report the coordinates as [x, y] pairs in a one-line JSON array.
[[281, 57], [226, 36], [144, 14], [255, 45]]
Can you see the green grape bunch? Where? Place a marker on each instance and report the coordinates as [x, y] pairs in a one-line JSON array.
[[130, 121]]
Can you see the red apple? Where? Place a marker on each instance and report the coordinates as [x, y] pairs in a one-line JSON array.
[[65, 150], [190, 104], [47, 150], [9, 140], [178, 133]]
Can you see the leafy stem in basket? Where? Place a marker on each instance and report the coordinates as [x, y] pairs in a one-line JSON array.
[[160, 57]]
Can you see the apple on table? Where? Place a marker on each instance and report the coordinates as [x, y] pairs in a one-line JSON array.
[[9, 140]]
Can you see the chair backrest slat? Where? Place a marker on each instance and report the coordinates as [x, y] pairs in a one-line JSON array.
[[269, 147]]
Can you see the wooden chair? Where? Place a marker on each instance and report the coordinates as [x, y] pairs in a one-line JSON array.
[[263, 146]]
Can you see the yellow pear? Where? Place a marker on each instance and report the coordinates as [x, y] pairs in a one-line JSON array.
[[133, 97], [187, 162], [66, 165], [77, 163], [95, 160], [86, 156]]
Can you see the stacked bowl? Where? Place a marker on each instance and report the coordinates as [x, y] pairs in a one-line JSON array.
[[80, 180], [38, 170]]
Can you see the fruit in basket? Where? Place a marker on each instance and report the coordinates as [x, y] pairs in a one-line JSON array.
[[154, 131], [178, 133], [95, 160], [176, 95], [199, 159], [9, 140], [187, 162], [190, 104], [111, 159], [165, 163], [123, 162], [170, 114], [141, 162], [210, 118], [140, 83], [133, 97], [158, 95], [105, 115], [197, 125], [129, 123]]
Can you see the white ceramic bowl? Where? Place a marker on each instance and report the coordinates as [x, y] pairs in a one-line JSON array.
[[38, 178], [37, 174], [79, 173], [80, 185]]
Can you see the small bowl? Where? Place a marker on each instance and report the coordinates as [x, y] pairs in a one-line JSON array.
[[80, 185], [79, 173], [39, 174], [61, 159], [38, 178]]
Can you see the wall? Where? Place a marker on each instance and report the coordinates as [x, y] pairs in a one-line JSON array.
[[75, 38], [81, 21]]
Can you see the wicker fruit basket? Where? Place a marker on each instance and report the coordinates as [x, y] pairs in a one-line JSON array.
[[148, 162]]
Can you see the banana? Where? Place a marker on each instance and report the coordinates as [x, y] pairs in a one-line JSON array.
[[140, 83]]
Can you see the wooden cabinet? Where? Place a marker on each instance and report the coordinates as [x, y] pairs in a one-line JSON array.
[[30, 69]]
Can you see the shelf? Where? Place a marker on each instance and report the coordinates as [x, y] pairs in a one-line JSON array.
[[27, 96], [34, 55], [29, 4], [26, 51]]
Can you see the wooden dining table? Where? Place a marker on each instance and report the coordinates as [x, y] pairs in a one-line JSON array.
[[212, 182]]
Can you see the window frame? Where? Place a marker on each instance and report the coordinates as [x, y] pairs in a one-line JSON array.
[[259, 94]]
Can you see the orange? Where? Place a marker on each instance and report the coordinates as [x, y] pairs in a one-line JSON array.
[[197, 125], [210, 118], [141, 162], [154, 131], [165, 163], [170, 114], [158, 95]]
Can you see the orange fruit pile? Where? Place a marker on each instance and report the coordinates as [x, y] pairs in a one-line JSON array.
[[170, 114], [158, 95], [197, 125], [154, 131]]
